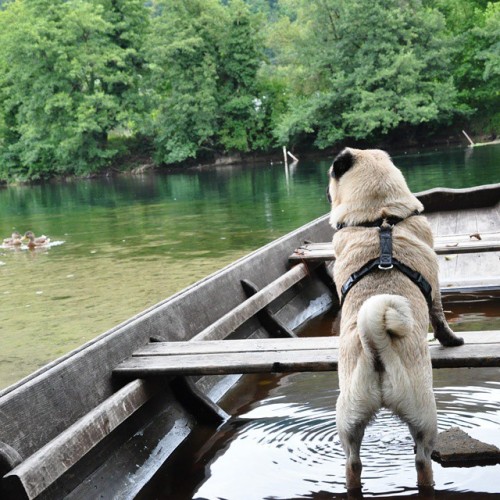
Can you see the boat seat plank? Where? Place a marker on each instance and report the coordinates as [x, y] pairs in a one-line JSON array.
[[482, 349], [449, 245], [237, 346]]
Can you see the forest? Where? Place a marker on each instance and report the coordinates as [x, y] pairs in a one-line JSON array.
[[89, 85]]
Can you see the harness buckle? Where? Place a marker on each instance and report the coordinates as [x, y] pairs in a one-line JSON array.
[[385, 267], [385, 260]]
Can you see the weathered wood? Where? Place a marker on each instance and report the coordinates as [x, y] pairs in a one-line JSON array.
[[46, 465], [196, 402], [469, 270], [223, 363], [438, 199], [471, 142], [237, 346], [450, 245], [9, 458], [271, 324], [285, 355], [244, 311]]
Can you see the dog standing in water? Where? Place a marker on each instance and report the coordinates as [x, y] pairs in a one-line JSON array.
[[386, 273]]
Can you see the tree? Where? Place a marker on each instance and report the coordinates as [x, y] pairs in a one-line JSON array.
[[207, 100], [242, 106], [364, 68], [64, 82], [474, 27], [182, 53]]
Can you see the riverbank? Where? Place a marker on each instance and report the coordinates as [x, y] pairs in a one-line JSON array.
[[395, 143], [136, 160]]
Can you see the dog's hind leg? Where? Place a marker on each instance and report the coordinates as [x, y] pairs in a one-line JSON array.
[[352, 420], [424, 435], [351, 437]]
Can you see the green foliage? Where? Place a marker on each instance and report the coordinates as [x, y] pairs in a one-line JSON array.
[[488, 57], [182, 53], [207, 99], [240, 56], [357, 81], [474, 26], [67, 70], [195, 79]]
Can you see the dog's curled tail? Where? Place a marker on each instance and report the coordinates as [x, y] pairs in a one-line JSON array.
[[381, 319]]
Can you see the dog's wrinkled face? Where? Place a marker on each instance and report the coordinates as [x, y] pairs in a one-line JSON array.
[[365, 185]]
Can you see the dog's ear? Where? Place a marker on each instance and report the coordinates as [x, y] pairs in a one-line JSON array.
[[342, 163]]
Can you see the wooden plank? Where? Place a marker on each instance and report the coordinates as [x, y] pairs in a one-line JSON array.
[[447, 223], [244, 311], [450, 245], [286, 355], [227, 363], [237, 346], [462, 237], [47, 464], [273, 345], [479, 337], [466, 223], [466, 356], [488, 220]]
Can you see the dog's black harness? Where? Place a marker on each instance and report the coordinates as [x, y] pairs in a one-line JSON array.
[[386, 261]]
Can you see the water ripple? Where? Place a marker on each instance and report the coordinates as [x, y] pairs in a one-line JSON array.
[[289, 440]]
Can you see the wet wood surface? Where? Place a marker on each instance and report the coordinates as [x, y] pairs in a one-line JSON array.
[[482, 349], [446, 245]]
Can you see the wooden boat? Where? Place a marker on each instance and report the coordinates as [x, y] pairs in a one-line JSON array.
[[87, 423]]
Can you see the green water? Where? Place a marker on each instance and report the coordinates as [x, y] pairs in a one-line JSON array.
[[126, 243]]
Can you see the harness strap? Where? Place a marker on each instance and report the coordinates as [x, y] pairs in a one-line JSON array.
[[355, 277], [391, 220], [385, 247], [423, 285], [386, 262]]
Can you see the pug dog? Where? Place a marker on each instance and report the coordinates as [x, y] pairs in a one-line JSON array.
[[386, 274]]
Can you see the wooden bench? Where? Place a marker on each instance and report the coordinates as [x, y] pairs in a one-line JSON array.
[[444, 245], [482, 349]]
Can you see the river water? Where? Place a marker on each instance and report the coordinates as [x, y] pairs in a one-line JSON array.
[[122, 244]]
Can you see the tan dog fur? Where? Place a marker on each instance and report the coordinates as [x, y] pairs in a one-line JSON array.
[[384, 359]]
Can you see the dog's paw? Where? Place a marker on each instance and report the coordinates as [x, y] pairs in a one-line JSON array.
[[447, 338]]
